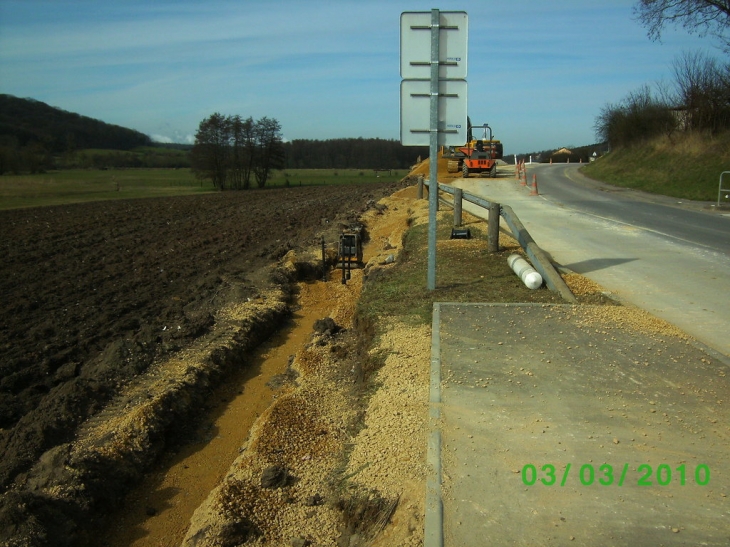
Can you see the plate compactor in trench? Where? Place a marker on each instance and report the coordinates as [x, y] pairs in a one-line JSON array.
[[477, 155], [350, 251]]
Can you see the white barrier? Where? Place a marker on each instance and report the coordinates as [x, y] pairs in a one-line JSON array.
[[525, 271]]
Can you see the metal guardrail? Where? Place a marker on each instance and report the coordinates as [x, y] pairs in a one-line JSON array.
[[721, 189], [538, 257]]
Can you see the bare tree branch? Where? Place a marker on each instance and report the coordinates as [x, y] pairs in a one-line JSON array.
[[701, 17]]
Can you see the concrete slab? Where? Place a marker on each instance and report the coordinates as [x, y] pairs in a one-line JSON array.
[[565, 425]]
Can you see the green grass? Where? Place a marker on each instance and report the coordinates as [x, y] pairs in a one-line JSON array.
[[82, 185], [85, 185], [465, 272], [139, 151], [312, 177], [688, 168]]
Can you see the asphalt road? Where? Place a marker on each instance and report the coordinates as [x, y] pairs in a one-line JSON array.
[[671, 259], [670, 217]]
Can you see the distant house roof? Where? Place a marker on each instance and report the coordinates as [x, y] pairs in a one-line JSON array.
[[562, 151]]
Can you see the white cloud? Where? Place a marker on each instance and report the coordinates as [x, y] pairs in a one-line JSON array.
[[161, 139]]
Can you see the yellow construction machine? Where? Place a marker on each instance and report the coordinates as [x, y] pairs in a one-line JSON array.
[[477, 155]]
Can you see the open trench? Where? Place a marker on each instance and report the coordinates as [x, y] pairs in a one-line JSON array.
[[157, 512]]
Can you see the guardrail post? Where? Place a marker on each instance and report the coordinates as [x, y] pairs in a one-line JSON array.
[[457, 206], [493, 227], [721, 189], [420, 187]]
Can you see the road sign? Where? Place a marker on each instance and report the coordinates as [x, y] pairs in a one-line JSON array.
[[433, 67], [415, 45], [415, 120]]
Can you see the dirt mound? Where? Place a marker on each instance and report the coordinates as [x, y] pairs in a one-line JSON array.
[[422, 169], [93, 296]]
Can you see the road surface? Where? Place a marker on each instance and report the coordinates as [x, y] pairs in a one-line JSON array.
[[669, 258], [679, 219]]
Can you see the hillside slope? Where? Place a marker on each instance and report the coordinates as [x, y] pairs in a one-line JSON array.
[[688, 166], [26, 121]]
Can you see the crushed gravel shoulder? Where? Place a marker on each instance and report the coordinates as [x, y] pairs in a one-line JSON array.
[[347, 478]]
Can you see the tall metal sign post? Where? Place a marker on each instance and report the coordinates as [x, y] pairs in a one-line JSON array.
[[433, 66]]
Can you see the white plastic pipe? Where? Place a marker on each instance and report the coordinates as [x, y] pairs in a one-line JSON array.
[[531, 278]]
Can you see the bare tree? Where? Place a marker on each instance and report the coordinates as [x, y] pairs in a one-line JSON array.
[[228, 149], [640, 116], [701, 17], [210, 155], [702, 90], [242, 145], [269, 149]]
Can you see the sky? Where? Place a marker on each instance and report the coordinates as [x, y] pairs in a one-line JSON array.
[[539, 72]]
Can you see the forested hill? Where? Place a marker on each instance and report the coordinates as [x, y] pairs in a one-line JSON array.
[[26, 122], [35, 136]]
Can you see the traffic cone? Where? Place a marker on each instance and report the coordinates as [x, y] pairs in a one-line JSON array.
[[523, 176], [534, 186]]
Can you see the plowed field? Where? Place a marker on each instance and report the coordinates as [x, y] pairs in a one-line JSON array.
[[91, 295]]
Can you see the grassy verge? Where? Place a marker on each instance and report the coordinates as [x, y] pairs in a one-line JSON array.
[[83, 185], [316, 177], [465, 272], [687, 168]]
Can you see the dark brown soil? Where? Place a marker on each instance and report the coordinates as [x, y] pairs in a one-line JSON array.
[[93, 294]]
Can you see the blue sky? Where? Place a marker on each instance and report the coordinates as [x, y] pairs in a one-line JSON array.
[[538, 72]]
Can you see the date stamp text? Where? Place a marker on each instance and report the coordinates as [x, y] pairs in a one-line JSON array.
[[606, 475]]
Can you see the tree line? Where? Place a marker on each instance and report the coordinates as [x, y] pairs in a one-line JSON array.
[[351, 154], [568, 154], [229, 150], [35, 159], [232, 152], [698, 99]]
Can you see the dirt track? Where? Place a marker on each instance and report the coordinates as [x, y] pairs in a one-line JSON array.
[[93, 294]]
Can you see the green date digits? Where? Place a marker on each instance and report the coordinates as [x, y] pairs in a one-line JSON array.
[[662, 475]]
